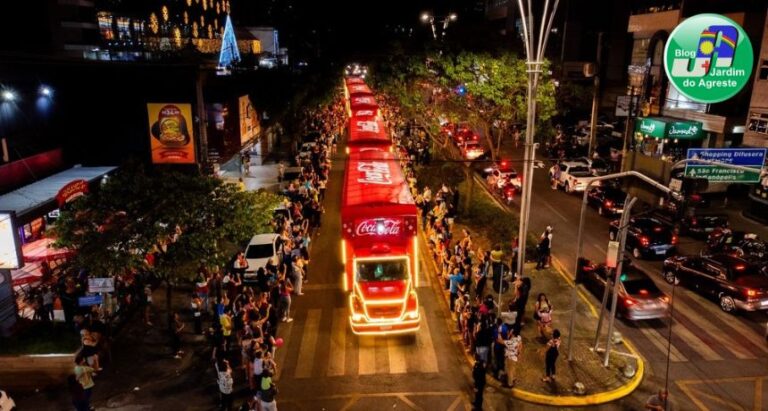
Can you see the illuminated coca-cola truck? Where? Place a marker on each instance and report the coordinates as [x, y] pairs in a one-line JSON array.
[[367, 133], [379, 245]]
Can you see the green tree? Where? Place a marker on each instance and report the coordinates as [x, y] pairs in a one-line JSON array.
[[496, 89], [183, 219]]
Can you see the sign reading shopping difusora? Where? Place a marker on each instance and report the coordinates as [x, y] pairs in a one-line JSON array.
[[708, 58]]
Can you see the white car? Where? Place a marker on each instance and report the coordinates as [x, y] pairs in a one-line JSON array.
[[571, 176], [471, 150], [502, 175], [260, 249], [306, 150], [6, 402]]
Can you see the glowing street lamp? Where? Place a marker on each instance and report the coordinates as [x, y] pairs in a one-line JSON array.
[[444, 20], [46, 91], [8, 95]]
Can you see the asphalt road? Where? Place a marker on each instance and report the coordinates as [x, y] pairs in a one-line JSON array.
[[717, 360]]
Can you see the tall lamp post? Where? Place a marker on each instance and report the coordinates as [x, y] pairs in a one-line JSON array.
[[637, 76], [444, 20], [535, 45]]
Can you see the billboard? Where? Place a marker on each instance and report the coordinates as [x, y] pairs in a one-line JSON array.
[[171, 133], [10, 249], [249, 120]]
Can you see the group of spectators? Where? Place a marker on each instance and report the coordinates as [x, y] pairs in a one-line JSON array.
[[489, 328], [245, 315]]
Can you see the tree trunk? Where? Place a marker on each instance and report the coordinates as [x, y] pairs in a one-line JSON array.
[[168, 304], [498, 143], [487, 131]]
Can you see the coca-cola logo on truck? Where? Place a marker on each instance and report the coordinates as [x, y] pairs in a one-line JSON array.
[[374, 172], [380, 226]]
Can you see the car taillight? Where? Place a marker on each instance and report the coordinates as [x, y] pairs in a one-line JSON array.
[[674, 239], [694, 221], [630, 302], [645, 241], [664, 299], [608, 204], [751, 293]]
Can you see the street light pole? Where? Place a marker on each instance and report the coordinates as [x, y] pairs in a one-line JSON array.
[[595, 96], [534, 51]]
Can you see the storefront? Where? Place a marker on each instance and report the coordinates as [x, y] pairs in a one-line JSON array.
[[666, 138]]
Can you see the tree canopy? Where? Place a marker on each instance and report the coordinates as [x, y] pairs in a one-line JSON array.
[[184, 219]]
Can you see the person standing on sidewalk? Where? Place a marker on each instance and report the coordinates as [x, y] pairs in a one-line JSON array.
[[225, 381], [478, 376], [196, 305], [177, 328], [268, 393], [455, 279], [499, 333], [513, 348], [84, 376], [550, 356]]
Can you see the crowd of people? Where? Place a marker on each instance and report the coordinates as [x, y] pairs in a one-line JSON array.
[[246, 315], [489, 329]]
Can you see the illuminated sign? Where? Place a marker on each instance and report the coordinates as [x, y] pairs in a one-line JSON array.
[[363, 100], [71, 191], [379, 226], [374, 172], [10, 250], [364, 113], [370, 126]]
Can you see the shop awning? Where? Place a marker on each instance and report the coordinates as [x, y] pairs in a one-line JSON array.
[[42, 192], [43, 250], [663, 127]]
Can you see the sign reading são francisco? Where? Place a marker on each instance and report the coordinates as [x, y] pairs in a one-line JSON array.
[[747, 157], [708, 58]]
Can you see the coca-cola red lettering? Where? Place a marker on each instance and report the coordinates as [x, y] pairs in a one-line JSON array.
[[378, 227], [374, 172], [371, 126]]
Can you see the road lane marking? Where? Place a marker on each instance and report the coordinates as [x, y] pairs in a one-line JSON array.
[[711, 331], [661, 344], [425, 349], [366, 351], [747, 334], [695, 342], [309, 335], [396, 353], [337, 355], [557, 213], [281, 353]]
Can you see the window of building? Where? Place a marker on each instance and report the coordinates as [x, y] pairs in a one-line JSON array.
[[123, 28], [105, 26], [758, 123], [763, 71]]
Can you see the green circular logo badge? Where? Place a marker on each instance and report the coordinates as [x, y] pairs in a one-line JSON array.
[[708, 58]]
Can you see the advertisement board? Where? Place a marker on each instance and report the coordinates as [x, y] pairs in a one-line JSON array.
[[71, 191], [249, 120], [171, 133], [101, 285], [10, 249]]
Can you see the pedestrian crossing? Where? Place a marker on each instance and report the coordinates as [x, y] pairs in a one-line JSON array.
[[319, 343], [700, 332]]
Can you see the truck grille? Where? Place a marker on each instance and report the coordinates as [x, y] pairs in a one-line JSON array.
[[384, 312]]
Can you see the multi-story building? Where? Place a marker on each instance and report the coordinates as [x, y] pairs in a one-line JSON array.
[[756, 132], [662, 108]]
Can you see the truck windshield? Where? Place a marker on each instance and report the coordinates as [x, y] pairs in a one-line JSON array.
[[382, 270]]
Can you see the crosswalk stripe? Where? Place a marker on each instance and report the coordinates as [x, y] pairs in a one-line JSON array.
[[396, 353], [743, 334], [711, 331], [366, 352], [308, 344], [425, 350], [661, 344], [336, 360], [284, 333], [695, 342]]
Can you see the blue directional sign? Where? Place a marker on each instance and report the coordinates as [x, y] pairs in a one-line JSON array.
[[90, 300], [747, 157]]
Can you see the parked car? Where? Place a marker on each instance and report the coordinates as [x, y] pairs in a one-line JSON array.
[[472, 150], [503, 174], [597, 166], [260, 249], [608, 201], [736, 243], [571, 176], [464, 134], [638, 297], [734, 282], [700, 226], [647, 237]]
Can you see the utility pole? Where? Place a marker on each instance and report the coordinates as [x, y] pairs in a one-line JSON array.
[[534, 51], [595, 95]]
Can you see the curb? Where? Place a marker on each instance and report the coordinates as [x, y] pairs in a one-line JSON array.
[[571, 400]]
